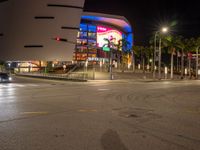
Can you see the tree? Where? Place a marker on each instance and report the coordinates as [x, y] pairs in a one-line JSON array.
[[110, 45], [190, 47], [196, 47], [149, 50], [181, 43], [136, 53], [124, 45], [171, 42]]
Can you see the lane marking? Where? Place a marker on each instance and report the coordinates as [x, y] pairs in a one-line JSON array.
[[87, 110], [34, 113], [103, 89]]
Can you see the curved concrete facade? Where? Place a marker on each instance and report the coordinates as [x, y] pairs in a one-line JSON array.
[[28, 27]]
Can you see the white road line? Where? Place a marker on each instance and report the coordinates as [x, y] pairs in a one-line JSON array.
[[103, 89]]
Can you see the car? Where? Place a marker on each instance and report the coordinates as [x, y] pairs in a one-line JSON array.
[[5, 77]]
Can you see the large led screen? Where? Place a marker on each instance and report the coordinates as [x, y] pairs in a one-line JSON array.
[[108, 33]]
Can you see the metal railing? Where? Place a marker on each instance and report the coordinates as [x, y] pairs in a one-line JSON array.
[[68, 76]]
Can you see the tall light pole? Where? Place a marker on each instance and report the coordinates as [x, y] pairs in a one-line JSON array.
[[159, 60], [163, 30], [154, 60]]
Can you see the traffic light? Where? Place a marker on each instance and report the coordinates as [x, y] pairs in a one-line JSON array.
[[60, 39]]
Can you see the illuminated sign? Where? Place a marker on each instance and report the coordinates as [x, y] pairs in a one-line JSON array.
[[107, 33], [107, 49]]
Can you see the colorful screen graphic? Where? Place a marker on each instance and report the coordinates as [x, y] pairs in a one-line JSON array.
[[108, 33]]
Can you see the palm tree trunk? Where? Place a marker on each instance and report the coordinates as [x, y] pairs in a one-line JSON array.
[[189, 68], [143, 64], [177, 64], [172, 65], [122, 61], [133, 61], [197, 62], [118, 60], [182, 65]]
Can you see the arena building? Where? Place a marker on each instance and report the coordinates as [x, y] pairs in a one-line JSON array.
[[33, 33], [94, 29]]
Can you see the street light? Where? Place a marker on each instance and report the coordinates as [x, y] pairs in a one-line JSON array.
[[163, 30], [155, 49]]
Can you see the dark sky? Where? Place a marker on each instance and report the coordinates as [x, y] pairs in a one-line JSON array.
[[147, 15]]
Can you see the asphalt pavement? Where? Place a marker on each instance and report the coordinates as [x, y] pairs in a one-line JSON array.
[[39, 114]]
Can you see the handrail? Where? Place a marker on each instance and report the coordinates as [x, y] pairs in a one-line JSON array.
[[72, 75]]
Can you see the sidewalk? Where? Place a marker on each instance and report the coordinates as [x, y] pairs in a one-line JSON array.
[[100, 76]]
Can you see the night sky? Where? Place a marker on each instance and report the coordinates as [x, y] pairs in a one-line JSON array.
[[146, 16]]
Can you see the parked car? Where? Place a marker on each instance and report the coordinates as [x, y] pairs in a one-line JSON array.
[[5, 77]]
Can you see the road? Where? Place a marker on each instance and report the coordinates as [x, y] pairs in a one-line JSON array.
[[41, 114]]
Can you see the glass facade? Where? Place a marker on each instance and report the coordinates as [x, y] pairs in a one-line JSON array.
[[90, 42]]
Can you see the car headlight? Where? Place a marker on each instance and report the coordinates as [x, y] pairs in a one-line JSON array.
[[9, 78]]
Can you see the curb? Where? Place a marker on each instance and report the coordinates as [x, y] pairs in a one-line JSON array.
[[52, 78]]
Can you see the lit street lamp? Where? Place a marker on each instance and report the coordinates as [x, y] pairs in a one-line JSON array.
[[163, 30]]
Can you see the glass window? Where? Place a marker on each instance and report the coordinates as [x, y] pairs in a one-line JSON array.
[[83, 35], [81, 48], [92, 28], [81, 41], [83, 27], [92, 35], [92, 42]]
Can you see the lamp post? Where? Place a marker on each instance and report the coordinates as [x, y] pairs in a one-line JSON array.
[[163, 30], [159, 60], [154, 60]]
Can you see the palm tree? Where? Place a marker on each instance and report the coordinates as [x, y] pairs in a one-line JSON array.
[[197, 52], [124, 45], [149, 55], [171, 43], [136, 53], [110, 45], [143, 55], [197, 47], [190, 47], [181, 43]]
